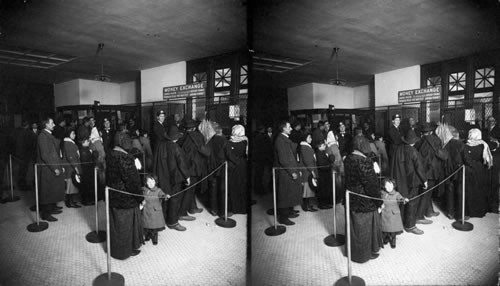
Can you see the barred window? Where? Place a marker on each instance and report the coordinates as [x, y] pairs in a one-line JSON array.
[[484, 78], [457, 81], [433, 81], [223, 77], [200, 77], [244, 75]]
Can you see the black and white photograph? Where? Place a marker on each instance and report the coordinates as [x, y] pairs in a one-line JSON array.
[[249, 142]]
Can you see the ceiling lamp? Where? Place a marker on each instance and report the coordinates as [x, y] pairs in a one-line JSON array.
[[101, 76], [335, 57]]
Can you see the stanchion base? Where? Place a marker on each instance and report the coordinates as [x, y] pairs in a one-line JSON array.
[[334, 240], [34, 227], [96, 237], [227, 223], [116, 280], [12, 199], [275, 231], [462, 225], [355, 281]]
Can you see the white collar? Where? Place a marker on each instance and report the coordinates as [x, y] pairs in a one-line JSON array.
[[303, 143], [286, 135], [356, 152], [50, 132], [67, 139]]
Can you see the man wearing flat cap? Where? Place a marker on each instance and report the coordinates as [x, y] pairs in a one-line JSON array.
[[394, 140], [408, 171]]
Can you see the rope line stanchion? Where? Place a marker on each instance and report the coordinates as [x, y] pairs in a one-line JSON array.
[[462, 225], [225, 222], [96, 236], [276, 229], [108, 278], [12, 198], [38, 226], [334, 239], [350, 279]]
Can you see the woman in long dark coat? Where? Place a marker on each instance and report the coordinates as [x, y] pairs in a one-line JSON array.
[[237, 173], [366, 234], [477, 160], [125, 217]]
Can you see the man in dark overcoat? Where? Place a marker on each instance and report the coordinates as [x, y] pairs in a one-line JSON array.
[[107, 135], [407, 169], [433, 167], [172, 170], [51, 185], [345, 141], [289, 191], [394, 139], [193, 144], [159, 132], [453, 186], [492, 138]]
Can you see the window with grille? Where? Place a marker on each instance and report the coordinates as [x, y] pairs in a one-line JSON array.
[[457, 81], [433, 81], [484, 78], [244, 75], [223, 77], [200, 77]]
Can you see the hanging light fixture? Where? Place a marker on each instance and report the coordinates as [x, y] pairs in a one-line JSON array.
[[335, 57]]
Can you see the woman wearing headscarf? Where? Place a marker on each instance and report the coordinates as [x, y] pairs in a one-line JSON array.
[[125, 218], [237, 173], [360, 177], [477, 160]]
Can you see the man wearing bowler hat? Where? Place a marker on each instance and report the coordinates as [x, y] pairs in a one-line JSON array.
[[408, 171]]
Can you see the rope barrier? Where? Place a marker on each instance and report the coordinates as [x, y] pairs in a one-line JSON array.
[[415, 197], [295, 168], [180, 192], [64, 164]]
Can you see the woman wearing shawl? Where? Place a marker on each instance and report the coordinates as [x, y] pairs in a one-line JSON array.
[[237, 177], [477, 160]]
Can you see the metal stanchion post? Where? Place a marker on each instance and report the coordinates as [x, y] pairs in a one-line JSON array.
[[38, 226], [225, 222], [463, 225], [334, 239], [12, 198], [276, 229], [349, 280], [109, 278], [96, 236]]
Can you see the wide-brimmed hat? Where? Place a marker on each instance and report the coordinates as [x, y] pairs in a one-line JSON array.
[[190, 123], [173, 133], [411, 137], [426, 127], [313, 183]]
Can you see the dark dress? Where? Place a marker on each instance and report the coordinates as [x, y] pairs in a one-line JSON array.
[[125, 217], [237, 177], [366, 234], [87, 158], [476, 191]]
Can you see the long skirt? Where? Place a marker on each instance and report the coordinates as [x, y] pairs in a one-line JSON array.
[[366, 235], [125, 231], [70, 187]]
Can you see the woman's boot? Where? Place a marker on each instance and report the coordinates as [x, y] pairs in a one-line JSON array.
[[305, 205], [155, 238], [393, 241], [73, 202], [310, 206], [67, 201]]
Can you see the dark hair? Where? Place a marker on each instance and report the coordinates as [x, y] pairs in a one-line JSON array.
[[45, 121], [321, 123], [390, 180], [282, 124], [68, 131], [152, 176], [303, 136]]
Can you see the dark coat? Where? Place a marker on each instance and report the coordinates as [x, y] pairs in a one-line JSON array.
[[432, 165], [263, 149], [289, 191], [490, 134], [360, 178], [394, 140], [159, 134], [196, 158], [317, 136], [51, 187], [170, 165], [152, 214], [220, 153], [308, 159], [121, 174], [71, 155], [83, 132], [407, 169], [24, 144], [108, 139], [345, 143]]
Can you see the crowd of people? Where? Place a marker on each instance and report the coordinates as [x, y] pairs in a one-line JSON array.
[[154, 182], [398, 175]]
